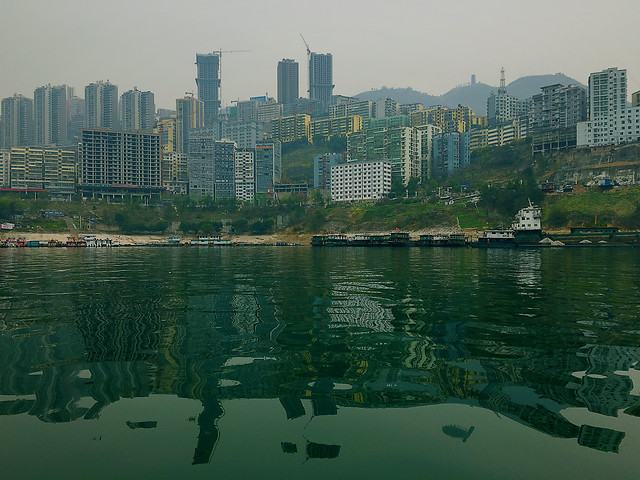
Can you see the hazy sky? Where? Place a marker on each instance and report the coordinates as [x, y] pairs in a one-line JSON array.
[[429, 45]]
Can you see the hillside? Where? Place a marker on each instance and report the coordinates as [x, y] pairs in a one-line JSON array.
[[474, 96]]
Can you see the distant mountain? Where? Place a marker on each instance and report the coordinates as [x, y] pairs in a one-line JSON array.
[[474, 96]]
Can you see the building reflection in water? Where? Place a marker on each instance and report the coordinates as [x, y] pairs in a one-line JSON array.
[[344, 343]]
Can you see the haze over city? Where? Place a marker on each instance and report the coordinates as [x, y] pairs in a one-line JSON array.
[[429, 46]]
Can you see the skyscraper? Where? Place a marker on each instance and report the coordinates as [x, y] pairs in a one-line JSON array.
[[101, 105], [190, 115], [321, 78], [137, 110], [208, 83], [287, 81], [51, 115], [17, 121]]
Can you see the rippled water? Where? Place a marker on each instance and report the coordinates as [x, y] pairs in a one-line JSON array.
[[267, 362]]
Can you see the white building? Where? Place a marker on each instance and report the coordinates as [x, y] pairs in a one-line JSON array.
[[245, 179], [611, 120], [357, 181]]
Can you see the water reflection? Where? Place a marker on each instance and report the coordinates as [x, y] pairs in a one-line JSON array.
[[518, 333]]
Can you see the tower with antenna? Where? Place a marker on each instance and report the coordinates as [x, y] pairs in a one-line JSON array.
[[503, 87]]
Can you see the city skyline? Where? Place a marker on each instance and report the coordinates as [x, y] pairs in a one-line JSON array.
[[372, 45]]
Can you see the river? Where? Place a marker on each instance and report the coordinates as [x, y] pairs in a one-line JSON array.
[[301, 362]]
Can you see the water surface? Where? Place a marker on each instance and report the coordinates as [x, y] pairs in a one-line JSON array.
[[284, 362]]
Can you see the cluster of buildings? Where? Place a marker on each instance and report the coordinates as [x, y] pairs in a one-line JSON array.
[[109, 145]]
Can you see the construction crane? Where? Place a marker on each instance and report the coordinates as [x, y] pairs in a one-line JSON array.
[[306, 45], [308, 61]]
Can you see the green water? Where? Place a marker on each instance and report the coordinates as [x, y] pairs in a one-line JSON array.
[[294, 362]]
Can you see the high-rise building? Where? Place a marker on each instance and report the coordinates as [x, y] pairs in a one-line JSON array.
[[451, 152], [245, 134], [211, 165], [287, 81], [17, 121], [268, 165], [290, 129], [43, 168], [208, 83], [166, 128], [427, 132], [611, 121], [51, 115], [321, 78], [635, 99], [5, 155], [502, 108], [109, 157], [322, 168], [76, 119], [357, 181], [401, 146], [101, 105], [244, 173], [190, 115], [175, 172], [137, 111], [554, 115]]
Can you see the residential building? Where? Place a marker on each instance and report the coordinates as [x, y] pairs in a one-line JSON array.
[[189, 116], [211, 165], [51, 115], [5, 168], [268, 165], [386, 122], [360, 181], [17, 121], [362, 108], [175, 172], [287, 81], [245, 134], [321, 79], [499, 135], [558, 107], [451, 152], [427, 132], [76, 119], [166, 128], [327, 128], [244, 174], [611, 120], [305, 106], [208, 84], [407, 108], [137, 111], [269, 111], [290, 129], [401, 146], [322, 168], [50, 169], [635, 99], [459, 119], [101, 105], [114, 158], [502, 107], [386, 107]]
